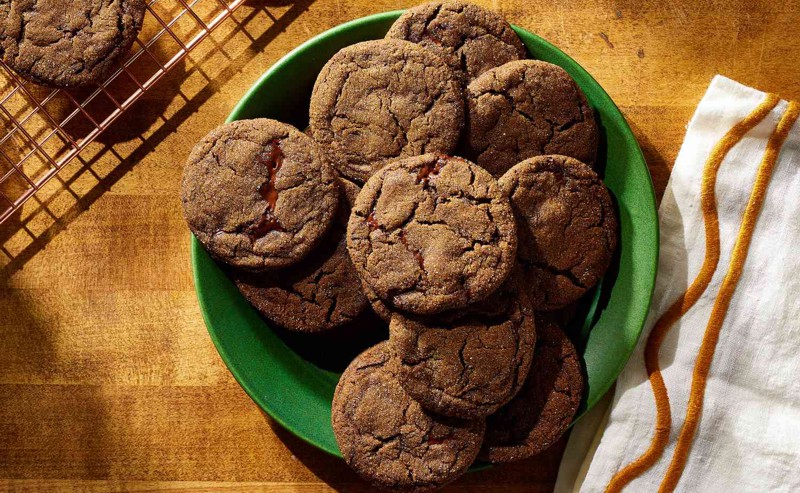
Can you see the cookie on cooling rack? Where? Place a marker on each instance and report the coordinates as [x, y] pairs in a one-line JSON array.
[[67, 44]]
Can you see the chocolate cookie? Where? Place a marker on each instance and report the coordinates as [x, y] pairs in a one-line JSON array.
[[567, 227], [320, 292], [527, 108], [469, 363], [67, 44], [388, 439], [543, 410], [378, 100], [471, 39], [432, 233], [257, 195]]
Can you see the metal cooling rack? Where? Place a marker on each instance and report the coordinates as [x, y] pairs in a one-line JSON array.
[[42, 130]]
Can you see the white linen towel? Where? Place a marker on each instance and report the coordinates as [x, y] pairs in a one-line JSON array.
[[748, 434]]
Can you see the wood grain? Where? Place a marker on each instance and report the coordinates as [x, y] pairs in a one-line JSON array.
[[108, 380]]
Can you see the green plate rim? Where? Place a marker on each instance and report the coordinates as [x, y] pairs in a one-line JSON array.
[[582, 77]]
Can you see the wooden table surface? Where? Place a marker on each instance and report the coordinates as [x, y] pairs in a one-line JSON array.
[[108, 379]]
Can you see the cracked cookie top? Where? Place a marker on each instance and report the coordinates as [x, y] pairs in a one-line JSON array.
[[471, 39], [543, 409], [379, 100], [432, 233], [388, 438], [257, 195], [320, 292], [470, 362], [566, 224], [527, 108], [67, 44]]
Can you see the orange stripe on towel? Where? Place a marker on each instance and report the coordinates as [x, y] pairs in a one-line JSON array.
[[706, 354], [687, 299]]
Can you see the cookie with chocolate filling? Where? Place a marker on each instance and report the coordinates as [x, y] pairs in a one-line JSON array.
[[257, 195]]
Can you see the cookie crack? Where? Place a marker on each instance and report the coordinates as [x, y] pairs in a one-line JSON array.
[[339, 94], [24, 28], [554, 127], [367, 366], [399, 131], [425, 114], [559, 272], [429, 20]]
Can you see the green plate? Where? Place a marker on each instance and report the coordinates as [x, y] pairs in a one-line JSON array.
[[293, 377]]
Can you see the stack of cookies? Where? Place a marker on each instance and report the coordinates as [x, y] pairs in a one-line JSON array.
[[468, 259]]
